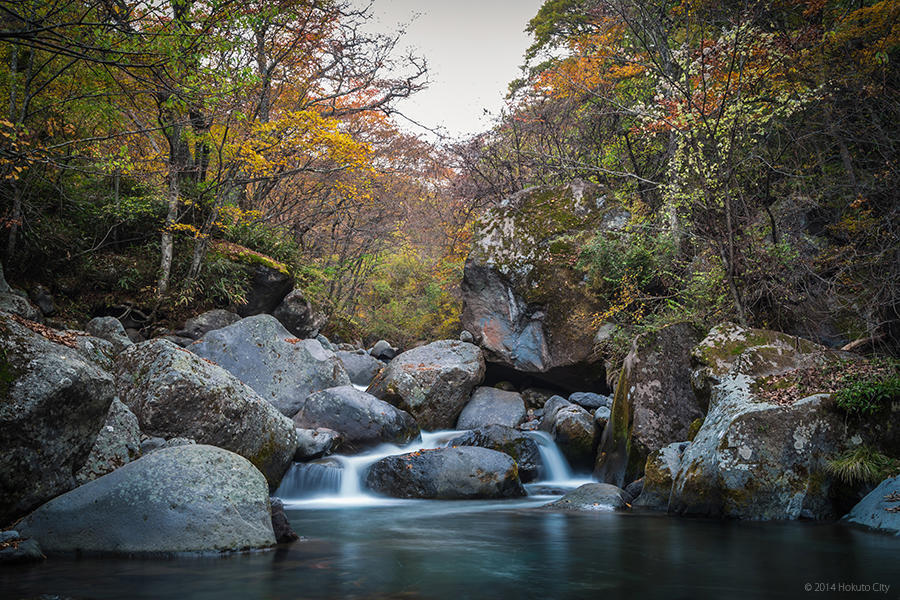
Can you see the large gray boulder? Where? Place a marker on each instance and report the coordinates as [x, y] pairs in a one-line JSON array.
[[175, 393], [659, 474], [118, 443], [591, 497], [752, 459], [362, 420], [519, 298], [446, 474], [297, 315], [186, 499], [54, 402], [432, 382], [13, 303], [361, 366], [111, 330], [521, 447], [263, 354], [653, 406], [490, 406], [573, 430], [196, 327], [880, 509]]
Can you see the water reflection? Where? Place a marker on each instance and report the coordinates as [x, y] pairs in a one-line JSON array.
[[450, 550]]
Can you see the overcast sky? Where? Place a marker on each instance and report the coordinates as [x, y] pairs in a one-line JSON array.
[[474, 49]]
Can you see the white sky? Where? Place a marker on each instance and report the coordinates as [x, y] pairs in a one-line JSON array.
[[474, 49]]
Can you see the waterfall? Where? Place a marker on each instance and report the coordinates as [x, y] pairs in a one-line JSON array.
[[337, 480]]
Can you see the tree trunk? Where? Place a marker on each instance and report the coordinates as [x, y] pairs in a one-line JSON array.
[[168, 237]]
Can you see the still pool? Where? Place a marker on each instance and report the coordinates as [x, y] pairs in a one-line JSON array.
[[477, 549]]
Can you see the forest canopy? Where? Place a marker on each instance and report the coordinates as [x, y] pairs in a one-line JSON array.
[[150, 149]]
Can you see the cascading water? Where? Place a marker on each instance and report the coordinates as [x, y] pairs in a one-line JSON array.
[[337, 480]]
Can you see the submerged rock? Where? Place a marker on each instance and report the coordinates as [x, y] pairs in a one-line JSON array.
[[446, 474], [175, 393], [432, 382], [522, 448], [362, 420], [591, 497], [880, 509], [118, 443], [263, 354], [20, 551], [54, 402], [491, 406], [185, 499]]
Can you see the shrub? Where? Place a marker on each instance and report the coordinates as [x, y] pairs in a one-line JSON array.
[[868, 395], [863, 465]]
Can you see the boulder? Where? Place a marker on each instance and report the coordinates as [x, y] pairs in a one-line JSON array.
[[281, 368], [601, 418], [432, 382], [268, 287], [633, 490], [382, 350], [522, 448], [490, 406], [297, 315], [362, 420], [196, 327], [573, 430], [880, 509], [186, 499], [326, 343], [118, 443], [466, 336], [20, 551], [175, 393], [590, 400], [752, 459], [284, 533], [536, 398], [11, 302], [42, 297], [361, 366], [659, 473], [154, 443], [447, 474], [591, 497], [653, 406], [54, 402], [111, 330], [316, 443], [519, 292]]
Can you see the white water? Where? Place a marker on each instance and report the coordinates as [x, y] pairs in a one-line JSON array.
[[336, 481]]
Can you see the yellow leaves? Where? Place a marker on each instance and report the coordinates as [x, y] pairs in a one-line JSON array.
[[186, 229], [301, 140]]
